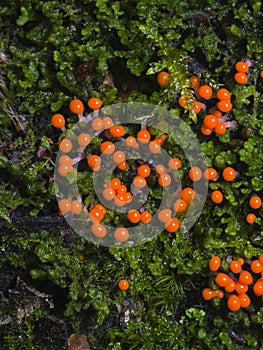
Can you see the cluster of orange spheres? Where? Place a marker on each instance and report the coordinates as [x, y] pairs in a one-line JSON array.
[[255, 203], [235, 285], [77, 107], [195, 174], [228, 174], [242, 69], [116, 191], [215, 120]]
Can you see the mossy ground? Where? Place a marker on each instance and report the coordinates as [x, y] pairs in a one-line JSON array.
[[53, 283]]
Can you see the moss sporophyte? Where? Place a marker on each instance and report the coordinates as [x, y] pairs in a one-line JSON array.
[[167, 250], [135, 152]]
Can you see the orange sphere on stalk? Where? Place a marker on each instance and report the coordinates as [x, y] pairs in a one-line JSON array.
[[139, 181], [127, 197], [115, 183], [219, 293], [255, 202], [134, 216], [76, 106], [242, 67], [97, 124], [223, 94], [195, 81], [94, 162], [217, 197], [118, 156], [181, 101], [121, 234], [224, 106], [196, 106], [214, 263], [107, 122], [64, 168], [108, 194], [146, 217], [210, 174], [180, 206], [229, 174], [98, 230], [154, 146], [195, 173], [164, 215], [123, 165], [117, 131], [256, 266], [94, 103], [241, 261], [76, 206], [119, 199], [144, 171], [130, 141], [205, 91], [188, 194], [123, 284], [58, 121], [163, 78], [220, 129], [160, 169], [164, 180], [222, 279], [244, 300], [235, 266], [258, 288], [233, 303], [101, 208], [210, 121], [250, 218], [122, 189], [216, 113], [206, 131], [96, 215], [241, 287], [107, 147], [84, 140], [208, 294], [65, 159], [64, 206], [65, 145], [143, 136], [231, 286], [241, 78], [174, 163], [245, 277], [172, 225]]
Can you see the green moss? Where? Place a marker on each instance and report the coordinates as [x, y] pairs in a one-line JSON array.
[[54, 51]]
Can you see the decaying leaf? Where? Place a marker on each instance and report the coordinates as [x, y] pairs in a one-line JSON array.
[[78, 342]]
